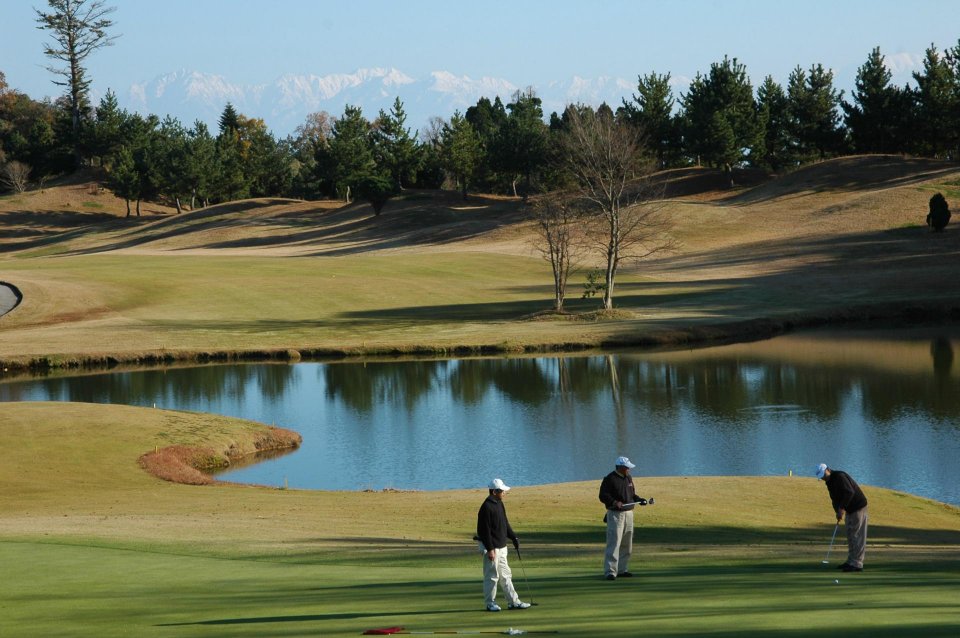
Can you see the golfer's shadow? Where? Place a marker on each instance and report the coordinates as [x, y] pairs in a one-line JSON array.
[[309, 618]]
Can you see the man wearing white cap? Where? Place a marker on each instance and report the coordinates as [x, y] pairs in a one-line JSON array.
[[849, 503], [493, 530], [619, 497]]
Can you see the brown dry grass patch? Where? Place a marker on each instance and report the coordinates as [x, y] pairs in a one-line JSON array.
[[189, 465]]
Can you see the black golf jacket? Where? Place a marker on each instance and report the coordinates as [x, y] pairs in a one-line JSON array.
[[615, 487], [493, 528], [844, 492]]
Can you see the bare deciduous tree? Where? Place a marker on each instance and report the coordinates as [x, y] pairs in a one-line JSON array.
[[605, 158], [560, 238], [15, 175]]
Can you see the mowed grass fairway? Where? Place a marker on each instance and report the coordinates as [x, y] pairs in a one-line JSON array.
[[93, 546]]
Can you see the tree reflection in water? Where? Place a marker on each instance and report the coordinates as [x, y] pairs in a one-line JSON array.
[[887, 408]]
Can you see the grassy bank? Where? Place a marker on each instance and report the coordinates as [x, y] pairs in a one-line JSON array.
[[94, 546]]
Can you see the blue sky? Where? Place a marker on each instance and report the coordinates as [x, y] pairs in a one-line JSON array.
[[527, 42]]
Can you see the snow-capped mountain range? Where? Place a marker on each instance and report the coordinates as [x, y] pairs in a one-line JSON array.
[[285, 103]]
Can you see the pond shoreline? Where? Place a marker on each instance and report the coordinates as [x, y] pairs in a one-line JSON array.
[[889, 314]]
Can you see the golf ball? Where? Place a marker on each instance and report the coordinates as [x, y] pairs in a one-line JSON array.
[[837, 581]]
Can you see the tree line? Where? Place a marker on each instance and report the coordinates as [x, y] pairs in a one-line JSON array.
[[720, 121]]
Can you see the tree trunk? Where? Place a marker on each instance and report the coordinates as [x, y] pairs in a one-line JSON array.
[[127, 199], [608, 293], [513, 184], [177, 199], [138, 207]]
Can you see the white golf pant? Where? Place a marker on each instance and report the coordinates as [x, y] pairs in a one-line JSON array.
[[497, 572], [619, 542]]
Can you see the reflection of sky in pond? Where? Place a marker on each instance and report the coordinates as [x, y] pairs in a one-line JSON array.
[[886, 410]]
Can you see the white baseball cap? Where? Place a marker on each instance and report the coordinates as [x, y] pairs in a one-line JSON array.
[[498, 484], [821, 470], [625, 462]]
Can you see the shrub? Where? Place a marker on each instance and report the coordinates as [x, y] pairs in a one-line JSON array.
[[376, 189], [939, 214]]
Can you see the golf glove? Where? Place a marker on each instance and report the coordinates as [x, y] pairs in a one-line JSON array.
[[516, 544], [640, 501]]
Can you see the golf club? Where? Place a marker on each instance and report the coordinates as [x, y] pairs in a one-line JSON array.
[[826, 561], [522, 569], [525, 581]]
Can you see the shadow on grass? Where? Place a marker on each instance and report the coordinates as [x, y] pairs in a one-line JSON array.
[[756, 599], [733, 535], [576, 541], [309, 618]]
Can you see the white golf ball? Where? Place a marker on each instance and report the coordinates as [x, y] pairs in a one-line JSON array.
[[837, 581]]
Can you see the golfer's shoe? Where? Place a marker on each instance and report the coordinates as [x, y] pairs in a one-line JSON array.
[[519, 605], [851, 568], [625, 575], [493, 607], [610, 577]]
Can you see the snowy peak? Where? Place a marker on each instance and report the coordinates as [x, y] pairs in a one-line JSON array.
[[285, 103]]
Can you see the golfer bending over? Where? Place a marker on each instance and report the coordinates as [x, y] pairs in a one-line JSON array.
[[849, 503], [619, 497], [493, 530]]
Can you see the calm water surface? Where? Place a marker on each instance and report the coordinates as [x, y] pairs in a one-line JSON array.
[[883, 406]]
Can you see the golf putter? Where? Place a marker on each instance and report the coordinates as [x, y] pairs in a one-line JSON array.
[[826, 561]]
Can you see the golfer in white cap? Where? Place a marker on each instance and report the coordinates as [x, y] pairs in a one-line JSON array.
[[493, 530], [618, 496], [850, 505]]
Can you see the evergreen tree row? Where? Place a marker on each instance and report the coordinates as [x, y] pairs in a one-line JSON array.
[[720, 121]]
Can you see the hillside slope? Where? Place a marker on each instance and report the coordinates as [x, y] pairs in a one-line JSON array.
[[848, 195], [434, 273]]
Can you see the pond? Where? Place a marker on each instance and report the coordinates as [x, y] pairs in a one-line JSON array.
[[883, 406]]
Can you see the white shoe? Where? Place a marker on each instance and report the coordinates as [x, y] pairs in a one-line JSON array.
[[519, 605], [493, 607]]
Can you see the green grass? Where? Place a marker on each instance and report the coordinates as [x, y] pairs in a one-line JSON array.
[[92, 546], [101, 591], [117, 303]]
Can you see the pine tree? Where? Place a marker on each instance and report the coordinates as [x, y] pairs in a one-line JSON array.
[[521, 145], [348, 157], [774, 150], [721, 104], [651, 111], [461, 150], [395, 148], [876, 118], [937, 130], [78, 28], [814, 119]]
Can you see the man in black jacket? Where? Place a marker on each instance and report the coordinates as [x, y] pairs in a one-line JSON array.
[[619, 497], [493, 530], [849, 503]]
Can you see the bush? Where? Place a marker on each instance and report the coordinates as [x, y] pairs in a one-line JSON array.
[[376, 189], [939, 214]]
